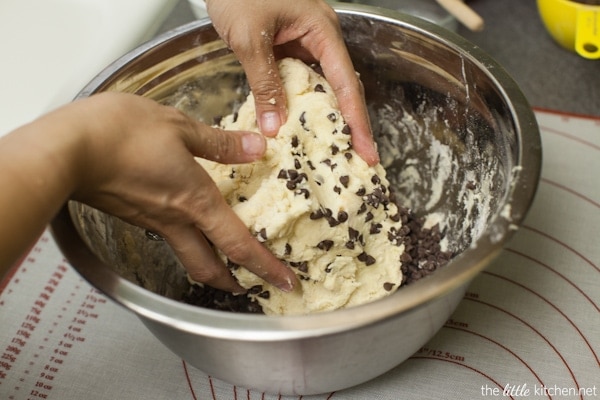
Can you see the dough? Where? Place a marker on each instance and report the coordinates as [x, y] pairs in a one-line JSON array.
[[314, 203]]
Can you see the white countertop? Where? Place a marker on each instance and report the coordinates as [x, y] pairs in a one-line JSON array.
[[52, 48]]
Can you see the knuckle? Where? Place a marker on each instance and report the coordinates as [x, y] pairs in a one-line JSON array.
[[238, 252]]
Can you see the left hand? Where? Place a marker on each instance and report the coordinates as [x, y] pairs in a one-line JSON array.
[[261, 31]]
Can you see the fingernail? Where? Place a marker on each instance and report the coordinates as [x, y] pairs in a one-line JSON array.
[[270, 123], [253, 144], [287, 287]]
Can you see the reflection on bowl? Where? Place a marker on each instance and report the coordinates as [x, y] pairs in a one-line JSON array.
[[460, 144]]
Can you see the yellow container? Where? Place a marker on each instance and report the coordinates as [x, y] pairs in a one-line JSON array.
[[575, 25]]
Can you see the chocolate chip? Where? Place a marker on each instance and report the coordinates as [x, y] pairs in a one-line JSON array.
[[367, 259], [294, 141], [349, 245], [361, 192], [303, 118], [310, 165], [262, 235], [375, 228], [290, 185], [302, 266], [303, 192], [375, 179], [319, 88], [388, 286], [342, 216], [297, 164], [265, 294], [344, 180], [255, 289], [334, 149], [317, 214], [362, 209], [282, 174], [346, 130], [332, 117], [242, 199], [369, 216], [337, 189], [471, 185], [348, 155], [288, 249], [325, 245]]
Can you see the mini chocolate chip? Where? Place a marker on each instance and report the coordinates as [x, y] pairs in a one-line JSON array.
[[291, 185], [350, 245], [344, 180], [317, 214], [303, 118], [301, 265], [288, 249], [242, 199], [265, 294], [367, 259], [319, 88], [297, 164], [388, 286], [346, 130], [303, 192], [361, 192], [348, 155], [292, 174], [325, 244], [471, 185], [334, 149], [294, 141], [255, 289], [262, 235], [328, 268], [282, 174], [362, 209], [375, 228], [232, 174], [332, 117], [310, 165], [332, 221], [337, 189], [369, 216], [342, 216], [353, 233], [375, 179]]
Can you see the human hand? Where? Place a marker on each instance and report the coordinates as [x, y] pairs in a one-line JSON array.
[[138, 164], [259, 32]]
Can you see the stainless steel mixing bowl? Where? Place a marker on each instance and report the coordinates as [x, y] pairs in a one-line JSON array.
[[428, 89]]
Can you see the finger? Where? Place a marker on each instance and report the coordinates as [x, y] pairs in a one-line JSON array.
[[227, 147], [339, 72], [200, 260], [259, 63], [227, 232]]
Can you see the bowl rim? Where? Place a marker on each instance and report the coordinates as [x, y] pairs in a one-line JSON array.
[[236, 326]]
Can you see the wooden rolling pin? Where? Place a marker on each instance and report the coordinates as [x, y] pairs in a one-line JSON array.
[[463, 13]]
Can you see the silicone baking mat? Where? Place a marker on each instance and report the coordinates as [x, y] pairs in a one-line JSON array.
[[529, 325]]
